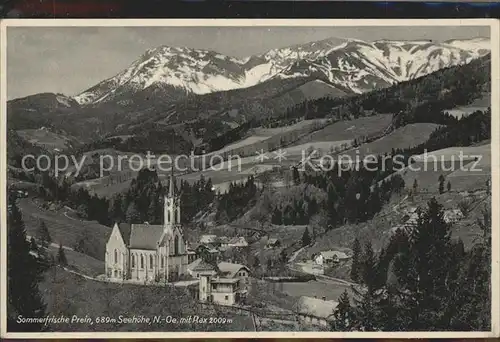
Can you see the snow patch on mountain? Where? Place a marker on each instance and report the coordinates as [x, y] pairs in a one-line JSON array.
[[348, 64], [64, 100]]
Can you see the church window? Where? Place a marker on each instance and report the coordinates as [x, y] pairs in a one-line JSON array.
[[151, 261], [178, 216], [162, 261], [133, 260], [116, 256], [142, 261], [176, 245], [168, 216]]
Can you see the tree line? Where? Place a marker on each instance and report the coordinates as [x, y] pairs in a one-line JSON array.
[[237, 200]]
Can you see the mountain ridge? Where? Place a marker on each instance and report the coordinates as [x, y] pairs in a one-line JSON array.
[[344, 63]]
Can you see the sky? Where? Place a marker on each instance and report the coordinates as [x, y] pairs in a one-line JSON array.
[[69, 60]]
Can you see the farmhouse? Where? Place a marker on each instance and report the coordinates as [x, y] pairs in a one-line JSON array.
[[235, 271], [314, 311], [329, 257], [149, 252]]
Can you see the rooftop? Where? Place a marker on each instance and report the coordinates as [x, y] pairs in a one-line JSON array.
[[125, 230], [230, 268], [200, 265], [208, 238], [332, 254]]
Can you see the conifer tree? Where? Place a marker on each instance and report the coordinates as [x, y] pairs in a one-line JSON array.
[[133, 215], [306, 238], [296, 176], [33, 244], [43, 234], [23, 275], [256, 263], [364, 312], [422, 273], [441, 184], [356, 261], [448, 186], [342, 316], [61, 256], [116, 209], [368, 266]]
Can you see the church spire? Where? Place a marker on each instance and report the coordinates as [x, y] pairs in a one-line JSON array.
[[171, 188]]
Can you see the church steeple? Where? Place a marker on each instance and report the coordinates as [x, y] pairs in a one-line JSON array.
[[172, 208], [172, 185]]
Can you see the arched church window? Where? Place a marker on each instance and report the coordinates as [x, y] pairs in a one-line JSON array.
[[142, 261], [150, 261], [116, 256], [162, 261], [176, 245], [133, 260], [178, 216], [168, 216]]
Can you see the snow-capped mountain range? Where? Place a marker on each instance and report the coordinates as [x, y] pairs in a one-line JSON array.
[[354, 66]]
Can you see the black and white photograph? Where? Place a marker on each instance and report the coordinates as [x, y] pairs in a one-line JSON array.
[[250, 176]]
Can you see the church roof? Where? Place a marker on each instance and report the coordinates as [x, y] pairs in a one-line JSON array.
[[145, 236], [125, 229]]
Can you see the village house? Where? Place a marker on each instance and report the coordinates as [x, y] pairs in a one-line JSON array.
[[411, 218], [331, 257], [208, 253], [314, 311], [273, 243], [208, 239], [235, 271], [198, 267], [236, 242], [214, 288], [226, 269], [146, 252]]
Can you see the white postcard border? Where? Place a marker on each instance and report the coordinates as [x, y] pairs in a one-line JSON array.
[[495, 144]]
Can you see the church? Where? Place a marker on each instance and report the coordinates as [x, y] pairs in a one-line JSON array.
[[146, 252]]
